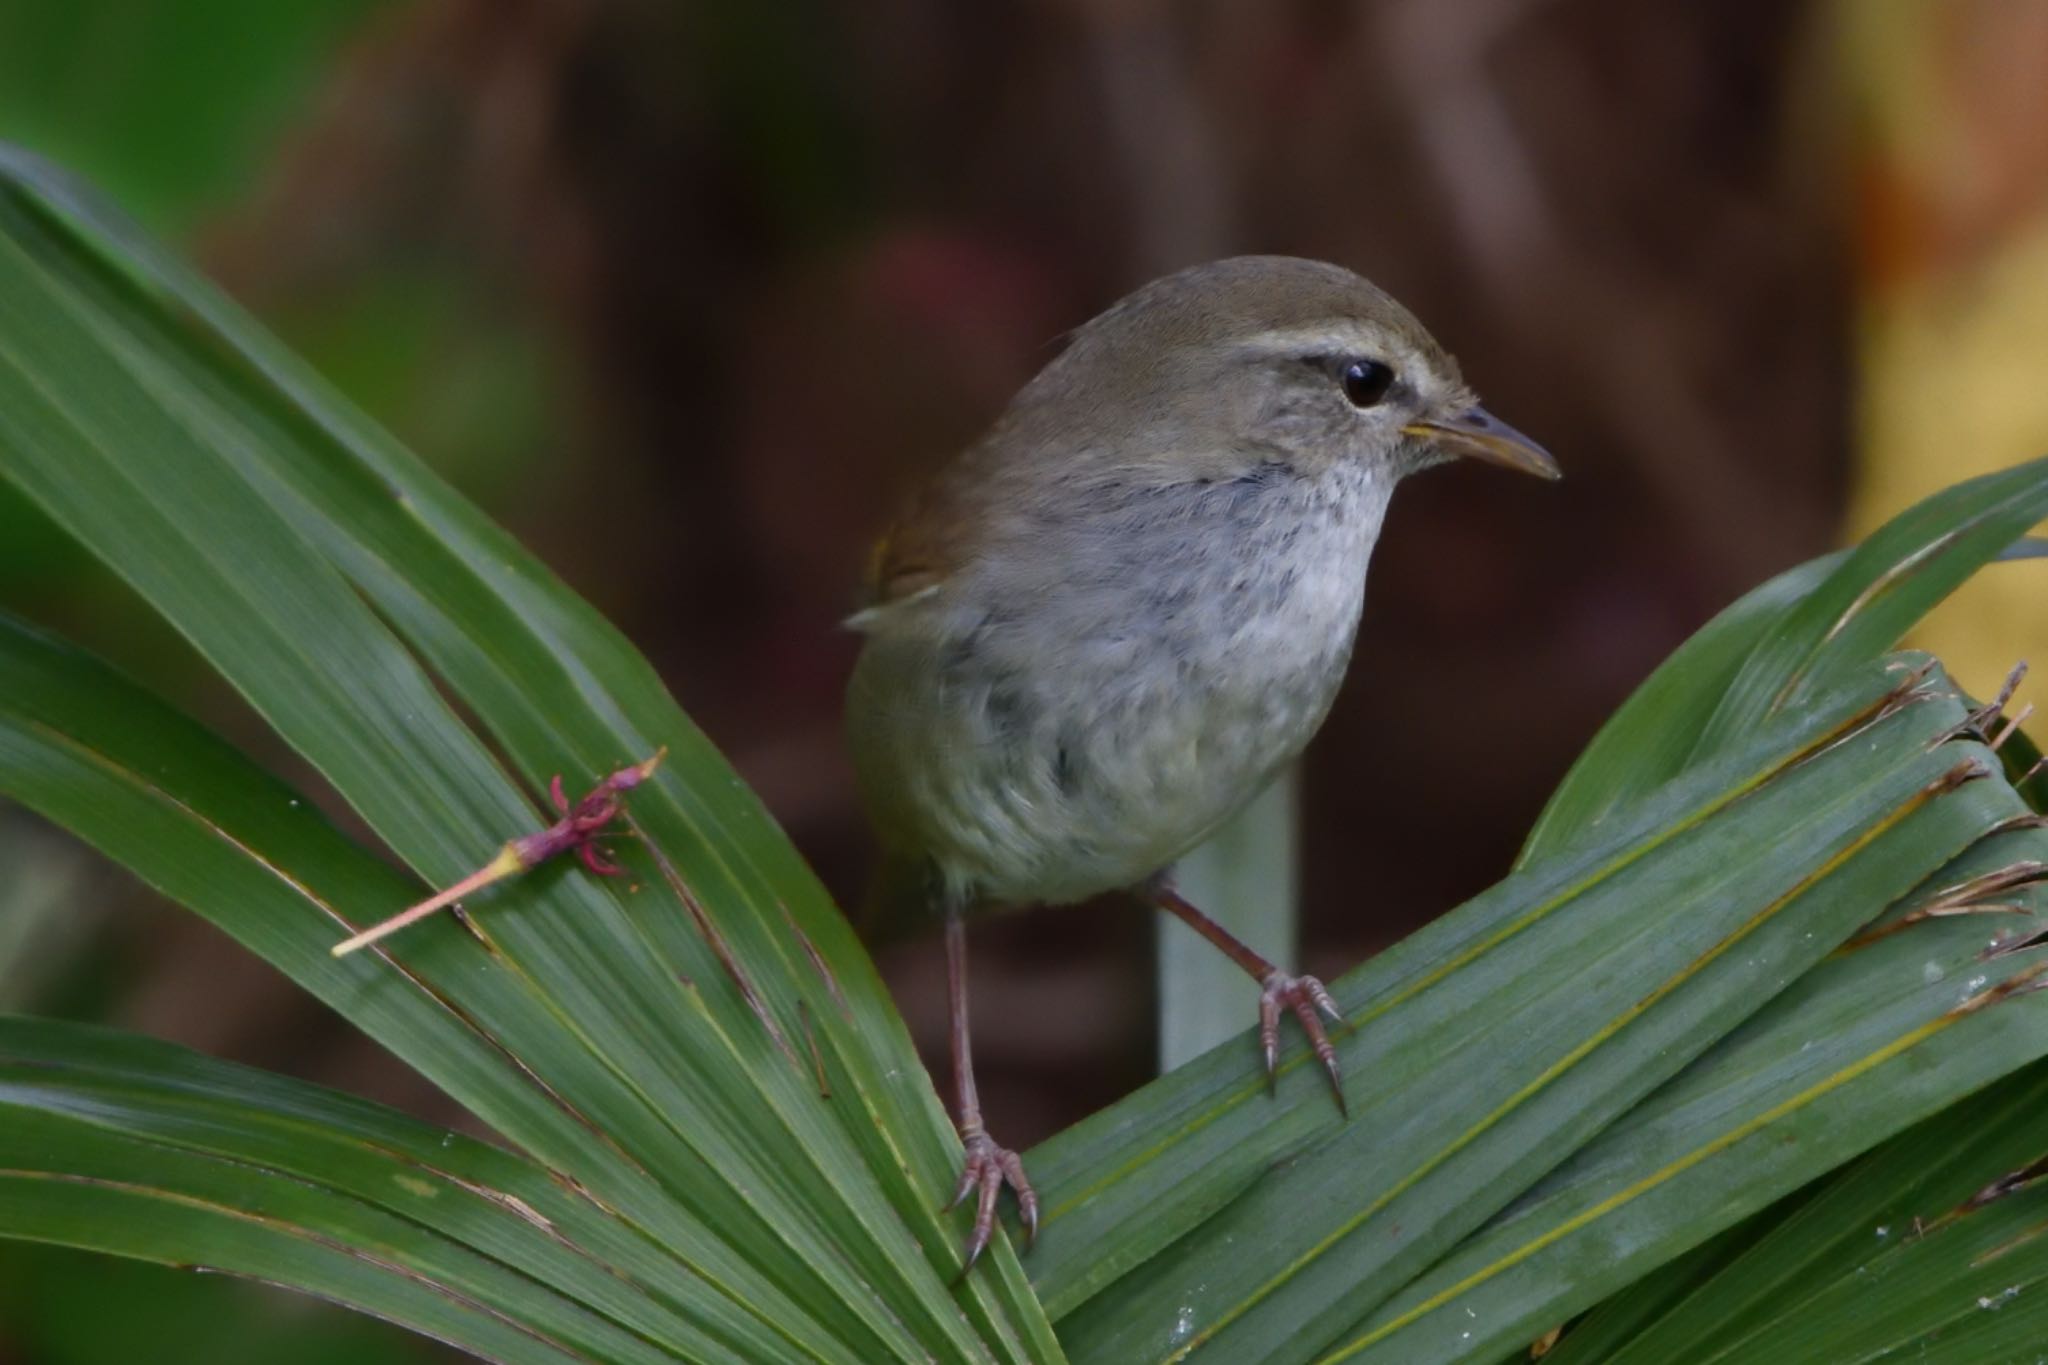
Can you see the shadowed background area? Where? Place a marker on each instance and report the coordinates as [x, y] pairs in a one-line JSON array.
[[688, 295]]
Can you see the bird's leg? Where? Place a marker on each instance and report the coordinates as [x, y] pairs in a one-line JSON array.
[[987, 1166], [1304, 995]]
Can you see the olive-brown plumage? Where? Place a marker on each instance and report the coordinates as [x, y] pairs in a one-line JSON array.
[[1111, 621]]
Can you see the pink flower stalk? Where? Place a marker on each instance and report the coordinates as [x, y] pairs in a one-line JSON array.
[[578, 829]]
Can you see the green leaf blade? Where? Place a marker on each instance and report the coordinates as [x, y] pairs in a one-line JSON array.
[[672, 1018], [87, 1161]]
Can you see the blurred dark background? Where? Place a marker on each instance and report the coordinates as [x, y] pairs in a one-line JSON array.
[[686, 294]]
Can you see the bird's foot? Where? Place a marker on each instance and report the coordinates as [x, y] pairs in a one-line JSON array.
[[986, 1170], [1304, 995]]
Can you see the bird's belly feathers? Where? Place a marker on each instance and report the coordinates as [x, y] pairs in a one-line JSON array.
[[1084, 735]]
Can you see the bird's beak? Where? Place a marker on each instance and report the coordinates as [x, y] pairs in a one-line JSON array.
[[1477, 433]]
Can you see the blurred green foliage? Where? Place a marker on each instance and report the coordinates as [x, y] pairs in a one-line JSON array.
[[177, 109], [173, 108], [182, 112], [425, 350]]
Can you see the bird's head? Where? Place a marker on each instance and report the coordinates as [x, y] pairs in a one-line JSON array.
[[1260, 360]]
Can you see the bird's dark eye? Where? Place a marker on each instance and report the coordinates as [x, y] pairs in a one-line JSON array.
[[1366, 382]]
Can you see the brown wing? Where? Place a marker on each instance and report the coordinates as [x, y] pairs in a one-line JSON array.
[[927, 542], [903, 564]]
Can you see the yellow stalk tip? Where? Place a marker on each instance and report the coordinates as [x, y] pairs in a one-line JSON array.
[[508, 863]]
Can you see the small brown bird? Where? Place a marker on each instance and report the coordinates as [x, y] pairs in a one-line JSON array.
[[1114, 619]]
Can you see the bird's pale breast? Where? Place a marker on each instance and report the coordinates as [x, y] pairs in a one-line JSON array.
[[1091, 699]]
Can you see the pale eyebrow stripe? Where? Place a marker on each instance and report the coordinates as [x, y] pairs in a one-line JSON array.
[[1338, 342], [1334, 340]]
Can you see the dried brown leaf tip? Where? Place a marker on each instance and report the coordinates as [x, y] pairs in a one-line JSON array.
[[2006, 1184], [577, 831], [1988, 724], [1987, 893]]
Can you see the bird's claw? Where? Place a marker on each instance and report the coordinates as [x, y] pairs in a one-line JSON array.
[[987, 1169], [1304, 995]]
